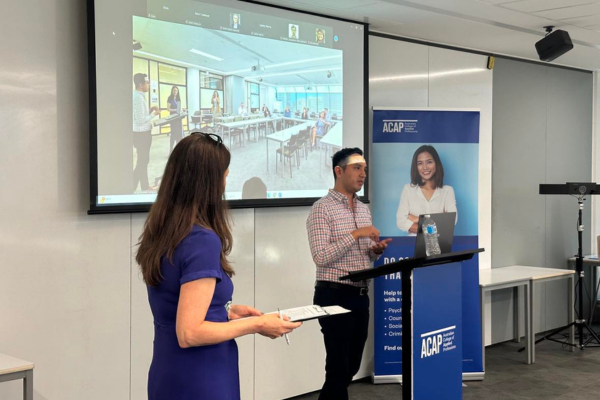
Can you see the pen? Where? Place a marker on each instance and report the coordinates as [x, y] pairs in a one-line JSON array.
[[287, 339]]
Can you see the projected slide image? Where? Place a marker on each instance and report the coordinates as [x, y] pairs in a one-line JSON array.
[[273, 93]]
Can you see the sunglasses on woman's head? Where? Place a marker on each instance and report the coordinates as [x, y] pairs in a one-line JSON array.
[[217, 139]]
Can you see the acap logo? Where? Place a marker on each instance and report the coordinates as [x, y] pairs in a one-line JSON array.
[[399, 126]]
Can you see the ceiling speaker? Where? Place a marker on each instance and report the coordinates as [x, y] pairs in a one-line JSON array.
[[554, 45]]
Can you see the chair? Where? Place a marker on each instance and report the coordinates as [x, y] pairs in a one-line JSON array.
[[303, 141], [197, 119], [289, 150], [237, 132]]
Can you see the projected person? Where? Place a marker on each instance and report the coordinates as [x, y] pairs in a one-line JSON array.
[[327, 115], [319, 129], [242, 110], [174, 107], [342, 239], [142, 131], [305, 113], [184, 259], [266, 111], [320, 36], [294, 31], [235, 21], [215, 103], [426, 192]]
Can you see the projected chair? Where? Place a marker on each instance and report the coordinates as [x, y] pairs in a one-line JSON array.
[[303, 141], [197, 119], [237, 132], [289, 150]]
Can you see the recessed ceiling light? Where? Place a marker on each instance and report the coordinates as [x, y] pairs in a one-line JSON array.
[[201, 53]]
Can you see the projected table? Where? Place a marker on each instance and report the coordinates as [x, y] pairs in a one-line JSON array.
[[333, 139], [245, 123], [284, 136]]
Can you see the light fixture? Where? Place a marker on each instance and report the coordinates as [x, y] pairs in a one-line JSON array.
[[201, 53]]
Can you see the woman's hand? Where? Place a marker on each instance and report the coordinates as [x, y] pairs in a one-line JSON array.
[[237, 311], [273, 327], [413, 218], [414, 228]]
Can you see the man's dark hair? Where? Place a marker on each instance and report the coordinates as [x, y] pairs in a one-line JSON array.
[[341, 158], [139, 79]]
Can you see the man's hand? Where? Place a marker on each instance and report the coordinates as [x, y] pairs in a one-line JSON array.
[[366, 231], [380, 247]]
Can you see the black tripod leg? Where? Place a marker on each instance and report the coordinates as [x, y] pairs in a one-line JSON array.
[[594, 335], [549, 336]]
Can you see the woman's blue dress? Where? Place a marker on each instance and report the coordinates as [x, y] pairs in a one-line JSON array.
[[196, 373]]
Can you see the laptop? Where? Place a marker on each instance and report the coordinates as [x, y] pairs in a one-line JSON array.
[[445, 228]]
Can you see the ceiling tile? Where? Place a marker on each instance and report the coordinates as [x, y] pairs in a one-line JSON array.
[[499, 1], [586, 21], [570, 12], [530, 6]]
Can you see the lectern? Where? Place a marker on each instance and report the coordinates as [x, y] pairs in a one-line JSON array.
[[431, 322]]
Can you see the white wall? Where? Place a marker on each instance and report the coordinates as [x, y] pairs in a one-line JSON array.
[[71, 299], [415, 75]]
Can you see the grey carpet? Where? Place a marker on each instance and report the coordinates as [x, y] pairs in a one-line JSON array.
[[557, 374]]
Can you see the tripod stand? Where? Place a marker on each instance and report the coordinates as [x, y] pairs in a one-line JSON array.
[[580, 323]]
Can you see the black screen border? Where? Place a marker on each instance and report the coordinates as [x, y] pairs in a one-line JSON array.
[[233, 204]]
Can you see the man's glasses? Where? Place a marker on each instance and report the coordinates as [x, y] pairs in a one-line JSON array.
[[213, 136]]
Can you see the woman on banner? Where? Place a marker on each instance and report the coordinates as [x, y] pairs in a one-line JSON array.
[[184, 259], [426, 192]]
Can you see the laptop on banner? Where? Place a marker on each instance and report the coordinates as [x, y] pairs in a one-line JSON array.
[[445, 228]]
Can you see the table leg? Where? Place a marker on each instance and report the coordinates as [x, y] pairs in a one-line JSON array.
[[267, 154], [571, 313], [482, 313], [516, 316], [28, 385], [529, 333]]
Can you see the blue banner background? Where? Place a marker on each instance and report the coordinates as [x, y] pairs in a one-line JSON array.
[[455, 135], [459, 172], [431, 126], [437, 293]]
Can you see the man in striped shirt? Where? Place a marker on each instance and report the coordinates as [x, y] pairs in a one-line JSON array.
[[342, 239], [142, 130]]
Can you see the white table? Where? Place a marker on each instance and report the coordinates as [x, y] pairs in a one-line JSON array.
[[332, 140], [12, 368], [520, 275]]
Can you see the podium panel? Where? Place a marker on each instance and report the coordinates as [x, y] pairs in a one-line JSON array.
[[437, 332]]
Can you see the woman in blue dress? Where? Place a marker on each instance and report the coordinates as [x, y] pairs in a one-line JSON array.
[[183, 256], [319, 129]]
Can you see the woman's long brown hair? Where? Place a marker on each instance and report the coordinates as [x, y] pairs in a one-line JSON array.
[[191, 193]]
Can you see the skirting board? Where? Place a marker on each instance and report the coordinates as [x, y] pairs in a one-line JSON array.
[[382, 379]]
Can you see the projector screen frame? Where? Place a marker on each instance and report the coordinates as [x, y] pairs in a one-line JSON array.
[[233, 204]]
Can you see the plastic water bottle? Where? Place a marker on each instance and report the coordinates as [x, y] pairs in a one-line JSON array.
[[430, 234]]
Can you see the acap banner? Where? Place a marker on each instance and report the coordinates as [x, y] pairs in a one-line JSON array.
[[424, 161]]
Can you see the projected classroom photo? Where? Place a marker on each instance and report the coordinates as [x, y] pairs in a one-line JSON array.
[[274, 96]]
